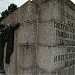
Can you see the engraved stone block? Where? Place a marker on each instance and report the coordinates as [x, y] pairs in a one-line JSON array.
[[55, 58]]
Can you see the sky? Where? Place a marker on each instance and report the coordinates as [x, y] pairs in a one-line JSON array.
[[5, 3], [73, 1]]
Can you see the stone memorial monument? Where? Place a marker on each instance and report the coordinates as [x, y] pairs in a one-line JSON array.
[[44, 44]]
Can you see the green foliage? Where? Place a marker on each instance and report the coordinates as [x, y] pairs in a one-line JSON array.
[[8, 11], [12, 8]]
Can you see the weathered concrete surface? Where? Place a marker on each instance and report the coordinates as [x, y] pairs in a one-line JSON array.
[[44, 43], [23, 57], [51, 40]]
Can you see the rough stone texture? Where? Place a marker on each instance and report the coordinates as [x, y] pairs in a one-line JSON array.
[[40, 45], [23, 57]]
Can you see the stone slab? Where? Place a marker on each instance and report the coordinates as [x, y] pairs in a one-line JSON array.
[[55, 58]]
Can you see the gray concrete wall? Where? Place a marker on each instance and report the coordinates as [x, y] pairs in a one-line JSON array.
[[23, 58], [40, 46], [53, 47]]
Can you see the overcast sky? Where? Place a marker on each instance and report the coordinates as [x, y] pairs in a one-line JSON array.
[[4, 3], [73, 1]]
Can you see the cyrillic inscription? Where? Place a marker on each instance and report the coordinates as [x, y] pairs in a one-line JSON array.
[[65, 34], [68, 57], [69, 16]]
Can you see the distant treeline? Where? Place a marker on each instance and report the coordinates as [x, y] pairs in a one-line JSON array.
[[12, 7]]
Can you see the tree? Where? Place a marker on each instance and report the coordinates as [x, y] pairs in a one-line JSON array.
[[12, 8], [8, 11], [5, 14]]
